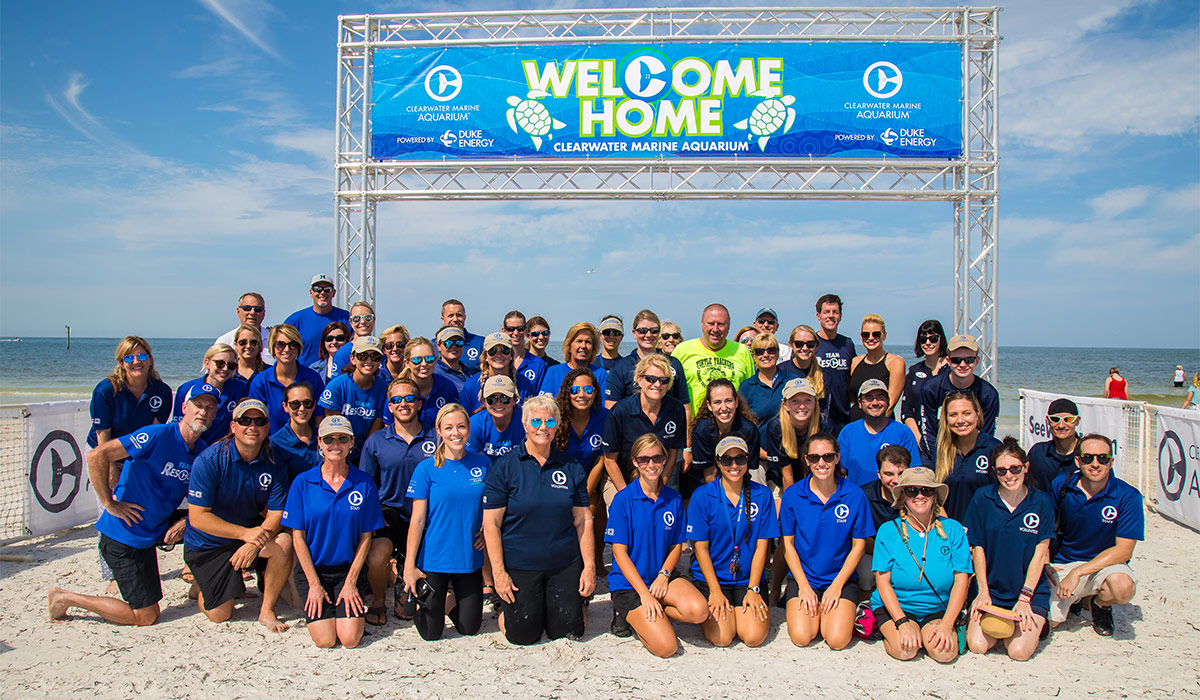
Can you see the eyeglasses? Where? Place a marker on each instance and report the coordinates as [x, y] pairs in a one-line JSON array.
[[298, 404], [1014, 470], [335, 338], [740, 460], [394, 345], [369, 357], [339, 439], [611, 333], [136, 357], [647, 460], [456, 343], [362, 318], [929, 338], [671, 336], [245, 421], [648, 330], [652, 380], [1087, 458], [766, 351], [281, 345], [502, 349], [962, 360], [222, 365], [539, 334], [874, 397], [871, 335], [829, 457], [321, 289], [1069, 420], [537, 422], [410, 398], [251, 342], [252, 307], [914, 491], [418, 359], [803, 344], [498, 399], [585, 389], [514, 329]]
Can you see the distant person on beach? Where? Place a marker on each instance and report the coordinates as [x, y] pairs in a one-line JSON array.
[[878, 364], [834, 354], [1100, 519], [269, 385], [310, 321], [612, 330], [251, 309], [454, 313], [712, 355], [1115, 387], [220, 371], [861, 440], [964, 452], [1179, 377], [1192, 399], [931, 347], [963, 358], [537, 334], [140, 513], [767, 321], [1050, 458]]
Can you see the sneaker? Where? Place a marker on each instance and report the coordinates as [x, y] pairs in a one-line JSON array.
[[1102, 619], [1077, 607], [620, 626]]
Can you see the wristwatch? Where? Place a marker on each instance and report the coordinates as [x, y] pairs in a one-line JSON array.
[[756, 589], [902, 620], [664, 572]]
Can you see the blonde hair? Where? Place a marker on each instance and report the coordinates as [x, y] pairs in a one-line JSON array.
[[125, 347], [365, 304], [254, 331], [439, 453], [644, 443], [875, 318], [814, 368], [788, 439], [408, 372], [657, 361], [573, 332], [217, 349], [946, 447], [395, 329], [764, 340], [541, 402], [1196, 379], [288, 331]]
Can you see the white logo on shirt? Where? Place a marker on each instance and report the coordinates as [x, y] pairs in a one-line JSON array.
[[180, 472], [1032, 521], [141, 438], [476, 473], [428, 447], [922, 375], [669, 519], [669, 428], [753, 511], [155, 403], [326, 395], [355, 498], [441, 401], [610, 532], [1109, 513], [981, 464], [530, 374], [841, 511], [594, 441], [472, 353], [560, 479], [264, 480]]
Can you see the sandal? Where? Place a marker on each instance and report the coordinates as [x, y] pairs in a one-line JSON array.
[[377, 615], [405, 609]]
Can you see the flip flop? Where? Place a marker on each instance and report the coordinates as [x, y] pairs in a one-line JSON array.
[[377, 615]]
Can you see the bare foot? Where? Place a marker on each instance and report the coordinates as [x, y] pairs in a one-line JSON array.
[[271, 622], [194, 591], [57, 606], [113, 589]]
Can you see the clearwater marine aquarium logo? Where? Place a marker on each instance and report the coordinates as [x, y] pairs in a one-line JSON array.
[[1172, 469], [57, 458]]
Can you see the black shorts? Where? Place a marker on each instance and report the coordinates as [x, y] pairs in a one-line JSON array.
[[395, 528], [628, 599], [734, 594], [332, 579], [792, 590], [135, 571], [882, 616], [219, 582]]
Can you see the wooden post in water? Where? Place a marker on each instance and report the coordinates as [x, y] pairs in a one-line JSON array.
[[68, 337]]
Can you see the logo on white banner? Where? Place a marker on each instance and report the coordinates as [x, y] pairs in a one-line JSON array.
[[1172, 469], [56, 459]]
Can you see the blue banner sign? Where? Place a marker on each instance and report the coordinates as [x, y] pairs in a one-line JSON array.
[[754, 100]]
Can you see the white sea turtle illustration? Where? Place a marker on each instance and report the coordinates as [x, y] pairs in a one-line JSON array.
[[769, 116], [532, 116]]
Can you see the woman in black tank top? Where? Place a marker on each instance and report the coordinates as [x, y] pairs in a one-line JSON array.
[[876, 364]]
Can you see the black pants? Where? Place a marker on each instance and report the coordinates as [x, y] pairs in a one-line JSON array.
[[467, 614], [546, 601]]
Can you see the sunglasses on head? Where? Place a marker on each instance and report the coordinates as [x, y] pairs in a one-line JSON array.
[[321, 289], [914, 491], [222, 365], [539, 334], [611, 333], [298, 404], [648, 330], [454, 343], [285, 344], [514, 329], [1069, 420], [962, 360], [1014, 470], [502, 349], [362, 318], [871, 335], [340, 338], [1088, 458], [135, 357], [739, 460], [339, 439], [652, 380], [494, 399], [247, 341], [766, 351], [814, 458], [410, 398], [804, 344], [252, 307], [929, 338], [247, 421], [537, 422], [418, 359], [647, 460], [369, 356], [671, 336], [589, 389]]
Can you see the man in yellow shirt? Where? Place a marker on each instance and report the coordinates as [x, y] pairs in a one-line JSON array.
[[712, 355]]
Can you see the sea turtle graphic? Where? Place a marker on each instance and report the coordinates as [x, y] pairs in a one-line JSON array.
[[769, 116], [532, 117]]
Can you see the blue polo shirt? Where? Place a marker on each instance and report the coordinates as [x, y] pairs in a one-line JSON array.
[[333, 522], [834, 358], [155, 477], [824, 532], [934, 392], [532, 368], [455, 495], [391, 461], [360, 406], [943, 558], [763, 398], [488, 439], [705, 438], [649, 529], [311, 324], [910, 400], [1047, 464], [626, 422], [237, 491], [859, 447], [712, 518], [234, 390], [587, 448], [1008, 539], [454, 376], [770, 436], [470, 399], [121, 413], [265, 387], [296, 455], [1092, 525], [553, 378], [472, 351], [539, 525], [621, 384], [971, 472]]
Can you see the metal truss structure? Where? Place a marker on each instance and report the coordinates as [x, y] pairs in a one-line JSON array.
[[969, 183]]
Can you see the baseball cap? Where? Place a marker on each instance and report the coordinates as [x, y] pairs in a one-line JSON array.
[[766, 310], [450, 332], [321, 279], [203, 389], [872, 385], [499, 384], [1063, 406], [798, 385], [729, 443], [962, 341], [610, 324], [496, 340], [246, 405], [366, 343], [335, 425]]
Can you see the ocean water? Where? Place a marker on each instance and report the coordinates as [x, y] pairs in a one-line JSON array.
[[44, 369]]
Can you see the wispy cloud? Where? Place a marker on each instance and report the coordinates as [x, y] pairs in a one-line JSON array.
[[68, 104], [221, 10]]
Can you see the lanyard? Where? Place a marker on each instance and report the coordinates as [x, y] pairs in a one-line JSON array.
[[734, 563]]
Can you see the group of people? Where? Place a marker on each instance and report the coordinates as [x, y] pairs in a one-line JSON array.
[[460, 471]]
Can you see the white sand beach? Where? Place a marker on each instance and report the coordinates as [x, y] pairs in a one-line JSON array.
[[1154, 654]]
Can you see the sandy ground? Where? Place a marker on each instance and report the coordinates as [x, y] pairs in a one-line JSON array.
[[1155, 654]]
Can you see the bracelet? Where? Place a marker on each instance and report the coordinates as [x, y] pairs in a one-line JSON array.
[[902, 620], [1027, 590]]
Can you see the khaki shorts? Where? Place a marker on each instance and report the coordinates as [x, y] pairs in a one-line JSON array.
[[1088, 585]]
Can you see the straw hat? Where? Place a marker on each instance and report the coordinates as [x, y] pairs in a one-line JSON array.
[[997, 622], [919, 476]]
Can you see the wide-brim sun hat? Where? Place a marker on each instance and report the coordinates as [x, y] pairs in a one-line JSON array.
[[919, 476], [997, 622]]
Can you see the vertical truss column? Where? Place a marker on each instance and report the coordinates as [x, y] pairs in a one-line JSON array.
[[354, 252]]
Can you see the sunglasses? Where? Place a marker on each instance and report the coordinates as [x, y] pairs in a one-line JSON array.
[[248, 342], [962, 360], [671, 336], [648, 330], [871, 335], [418, 359], [502, 349], [930, 338], [539, 334], [829, 457], [321, 289], [298, 404], [612, 333], [652, 380], [514, 329], [1014, 470], [537, 422], [452, 344], [649, 459], [222, 365], [137, 357], [362, 318], [589, 389], [804, 344], [252, 307], [394, 345], [339, 439], [498, 399], [765, 351], [369, 357], [410, 398], [335, 339], [874, 397], [740, 460], [914, 491], [1087, 458], [281, 345], [246, 421], [1069, 420]]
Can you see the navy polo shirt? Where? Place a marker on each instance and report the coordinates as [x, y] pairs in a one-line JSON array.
[[971, 472], [267, 388], [712, 518], [454, 493], [935, 391], [627, 422], [914, 379], [834, 358], [587, 448], [824, 532], [1008, 539], [296, 455], [539, 525], [311, 324], [1092, 525], [764, 399], [333, 522], [649, 529], [391, 461], [121, 413], [1046, 463], [531, 369], [880, 503], [553, 378], [155, 477], [486, 438], [234, 390], [705, 438], [237, 491], [621, 384], [771, 442], [456, 377], [859, 447]]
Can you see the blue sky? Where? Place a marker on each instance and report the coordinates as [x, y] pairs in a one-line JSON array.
[[156, 159]]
